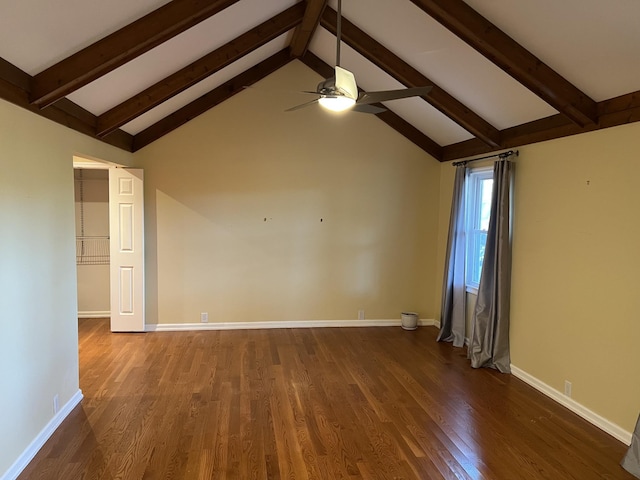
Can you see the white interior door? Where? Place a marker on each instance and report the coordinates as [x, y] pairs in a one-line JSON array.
[[126, 232]]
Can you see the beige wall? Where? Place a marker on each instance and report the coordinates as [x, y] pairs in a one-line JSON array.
[[254, 214], [575, 304], [576, 262], [38, 326]]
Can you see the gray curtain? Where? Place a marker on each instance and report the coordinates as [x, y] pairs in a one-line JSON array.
[[631, 461], [452, 321], [489, 339]]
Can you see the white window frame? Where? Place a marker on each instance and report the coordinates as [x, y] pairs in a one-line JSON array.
[[475, 177]]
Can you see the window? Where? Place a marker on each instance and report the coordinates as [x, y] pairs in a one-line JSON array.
[[479, 185]]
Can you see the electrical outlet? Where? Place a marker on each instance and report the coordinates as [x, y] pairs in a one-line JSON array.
[[360, 314], [56, 404], [567, 388], [204, 317]]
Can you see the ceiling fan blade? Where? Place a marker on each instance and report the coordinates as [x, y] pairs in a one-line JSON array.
[[346, 83], [298, 107], [366, 108], [386, 95]]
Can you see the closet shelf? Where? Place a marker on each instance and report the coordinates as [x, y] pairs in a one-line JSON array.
[[92, 250]]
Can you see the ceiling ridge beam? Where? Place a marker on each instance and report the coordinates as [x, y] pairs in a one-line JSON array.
[[388, 61], [303, 34], [212, 98], [200, 69], [482, 35], [120, 47], [392, 119], [14, 88], [612, 112]]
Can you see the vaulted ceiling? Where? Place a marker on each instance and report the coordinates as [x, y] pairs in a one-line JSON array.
[[504, 72]]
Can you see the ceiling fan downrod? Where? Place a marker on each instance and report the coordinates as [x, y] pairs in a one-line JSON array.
[[339, 32]]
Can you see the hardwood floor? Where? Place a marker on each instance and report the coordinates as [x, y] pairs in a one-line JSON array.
[[350, 403]]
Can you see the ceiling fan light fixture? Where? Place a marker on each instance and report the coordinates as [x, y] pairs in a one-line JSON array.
[[336, 103], [340, 92]]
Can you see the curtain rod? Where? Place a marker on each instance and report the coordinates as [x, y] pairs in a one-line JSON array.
[[501, 155]]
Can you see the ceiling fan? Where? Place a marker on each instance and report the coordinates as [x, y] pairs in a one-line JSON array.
[[340, 92]]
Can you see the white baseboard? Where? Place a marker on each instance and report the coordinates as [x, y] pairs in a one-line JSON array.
[[428, 322], [37, 443], [97, 314], [602, 423], [173, 327]]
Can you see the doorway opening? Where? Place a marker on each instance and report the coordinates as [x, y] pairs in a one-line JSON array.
[[91, 192], [109, 202]]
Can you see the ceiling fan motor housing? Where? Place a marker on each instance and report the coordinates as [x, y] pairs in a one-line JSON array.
[[327, 87]]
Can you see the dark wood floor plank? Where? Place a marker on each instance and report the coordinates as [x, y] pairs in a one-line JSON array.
[[374, 403]]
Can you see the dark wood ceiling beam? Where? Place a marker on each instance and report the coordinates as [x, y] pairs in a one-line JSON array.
[[549, 128], [613, 112], [382, 57], [211, 99], [200, 69], [120, 47], [14, 88], [393, 120], [305, 30], [510, 56], [14, 76]]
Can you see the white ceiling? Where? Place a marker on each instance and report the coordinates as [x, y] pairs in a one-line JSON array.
[[593, 44]]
